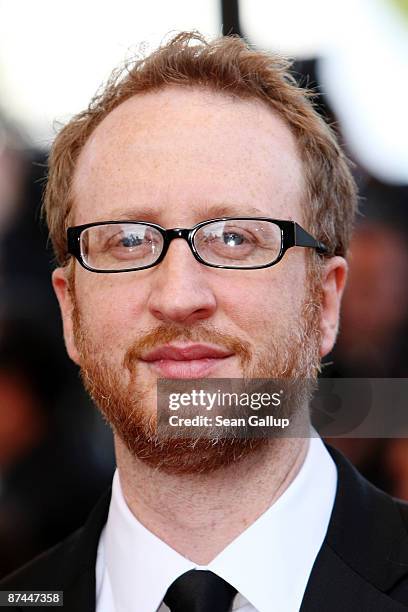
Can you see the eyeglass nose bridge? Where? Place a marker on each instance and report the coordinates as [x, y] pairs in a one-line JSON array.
[[177, 232], [172, 234]]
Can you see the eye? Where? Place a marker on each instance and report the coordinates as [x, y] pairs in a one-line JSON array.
[[233, 238], [131, 240]]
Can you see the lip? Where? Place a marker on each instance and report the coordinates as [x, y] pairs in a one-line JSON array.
[[186, 361]]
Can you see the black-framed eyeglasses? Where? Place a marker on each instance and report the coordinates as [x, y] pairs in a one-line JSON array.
[[237, 243]]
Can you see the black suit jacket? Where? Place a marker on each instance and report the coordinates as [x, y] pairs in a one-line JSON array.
[[362, 565]]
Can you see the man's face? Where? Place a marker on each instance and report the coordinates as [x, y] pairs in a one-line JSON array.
[[177, 157]]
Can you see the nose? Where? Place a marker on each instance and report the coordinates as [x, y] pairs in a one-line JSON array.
[[180, 290]]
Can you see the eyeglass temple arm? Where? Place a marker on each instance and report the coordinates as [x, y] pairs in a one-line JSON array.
[[73, 241], [304, 239]]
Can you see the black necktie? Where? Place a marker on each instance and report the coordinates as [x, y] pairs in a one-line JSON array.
[[199, 591]]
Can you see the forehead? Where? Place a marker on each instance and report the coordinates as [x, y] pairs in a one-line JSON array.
[[184, 154]]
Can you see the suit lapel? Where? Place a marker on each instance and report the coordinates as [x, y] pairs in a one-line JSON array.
[[335, 586], [365, 550], [79, 592]]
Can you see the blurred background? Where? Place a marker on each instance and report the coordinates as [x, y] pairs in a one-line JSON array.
[[56, 454]]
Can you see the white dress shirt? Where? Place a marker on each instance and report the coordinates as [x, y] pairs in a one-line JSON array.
[[269, 563]]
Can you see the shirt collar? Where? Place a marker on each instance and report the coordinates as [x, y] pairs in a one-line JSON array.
[[269, 563]]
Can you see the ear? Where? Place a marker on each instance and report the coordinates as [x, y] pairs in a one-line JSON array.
[[333, 281], [63, 293]]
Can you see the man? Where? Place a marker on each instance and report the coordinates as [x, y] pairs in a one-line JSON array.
[[182, 186]]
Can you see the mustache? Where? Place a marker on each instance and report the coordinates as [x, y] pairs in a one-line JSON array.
[[164, 334]]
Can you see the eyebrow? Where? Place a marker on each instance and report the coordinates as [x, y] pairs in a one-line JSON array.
[[229, 210], [147, 213], [206, 211]]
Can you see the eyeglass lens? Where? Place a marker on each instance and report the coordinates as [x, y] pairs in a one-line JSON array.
[[120, 246], [234, 242]]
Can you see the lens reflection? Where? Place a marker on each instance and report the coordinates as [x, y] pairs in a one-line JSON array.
[[238, 242], [119, 246]]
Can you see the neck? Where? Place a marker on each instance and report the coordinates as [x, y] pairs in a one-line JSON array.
[[199, 515]]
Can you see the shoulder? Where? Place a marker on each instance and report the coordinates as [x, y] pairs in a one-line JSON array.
[[366, 541], [50, 570], [364, 513], [68, 566]]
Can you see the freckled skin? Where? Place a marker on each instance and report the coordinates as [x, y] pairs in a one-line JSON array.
[[176, 153], [171, 156]]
